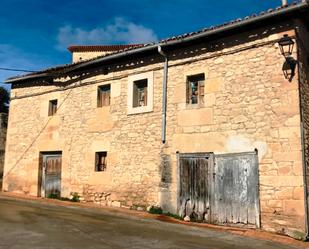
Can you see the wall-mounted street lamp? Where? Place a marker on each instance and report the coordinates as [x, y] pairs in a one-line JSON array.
[[286, 45]]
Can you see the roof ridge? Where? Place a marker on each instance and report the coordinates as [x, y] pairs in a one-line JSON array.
[[102, 47]]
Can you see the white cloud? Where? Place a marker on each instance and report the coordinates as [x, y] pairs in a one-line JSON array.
[[119, 31]]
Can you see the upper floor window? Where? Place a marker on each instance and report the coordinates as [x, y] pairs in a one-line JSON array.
[[100, 161], [104, 95], [140, 93], [195, 89], [52, 107]]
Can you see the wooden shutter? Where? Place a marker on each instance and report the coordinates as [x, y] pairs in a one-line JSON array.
[[188, 91], [97, 161], [145, 95], [201, 91], [99, 97]]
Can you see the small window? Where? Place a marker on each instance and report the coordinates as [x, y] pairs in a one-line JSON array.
[[104, 95], [140, 93], [52, 109], [100, 161], [195, 89]]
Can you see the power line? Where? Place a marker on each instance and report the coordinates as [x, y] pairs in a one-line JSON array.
[[16, 70]]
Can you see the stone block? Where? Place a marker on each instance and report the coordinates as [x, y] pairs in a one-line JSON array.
[[285, 168], [281, 181], [289, 132], [293, 207], [275, 203], [116, 204], [287, 156], [285, 193], [193, 117], [213, 85], [209, 99], [298, 193], [293, 121]]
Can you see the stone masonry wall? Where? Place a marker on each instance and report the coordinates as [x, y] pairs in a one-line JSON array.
[[303, 66], [248, 104]]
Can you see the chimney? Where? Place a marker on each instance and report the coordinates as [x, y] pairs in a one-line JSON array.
[[284, 2]]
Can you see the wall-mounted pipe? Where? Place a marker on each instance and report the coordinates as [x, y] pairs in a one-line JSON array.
[[164, 97]]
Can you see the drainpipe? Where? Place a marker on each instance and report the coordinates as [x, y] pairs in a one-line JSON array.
[[164, 97], [302, 141]]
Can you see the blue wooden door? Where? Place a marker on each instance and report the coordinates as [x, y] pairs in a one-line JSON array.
[[52, 175]]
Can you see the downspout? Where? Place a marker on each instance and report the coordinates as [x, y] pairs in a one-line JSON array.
[[304, 164], [164, 97]]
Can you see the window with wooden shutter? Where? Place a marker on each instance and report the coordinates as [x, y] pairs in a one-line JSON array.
[[52, 107], [104, 94], [100, 161], [195, 89]]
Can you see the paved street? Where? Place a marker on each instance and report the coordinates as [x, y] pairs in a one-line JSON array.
[[25, 224]]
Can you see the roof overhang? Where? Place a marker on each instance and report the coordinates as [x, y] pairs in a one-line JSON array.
[[279, 14]]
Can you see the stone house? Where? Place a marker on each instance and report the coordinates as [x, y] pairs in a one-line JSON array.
[[212, 124]]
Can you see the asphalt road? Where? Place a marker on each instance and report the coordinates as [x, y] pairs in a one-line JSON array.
[[31, 225]]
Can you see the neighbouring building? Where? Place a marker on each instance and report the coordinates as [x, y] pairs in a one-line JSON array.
[[211, 124], [3, 125]]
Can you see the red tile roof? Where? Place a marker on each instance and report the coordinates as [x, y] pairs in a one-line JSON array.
[[99, 48]]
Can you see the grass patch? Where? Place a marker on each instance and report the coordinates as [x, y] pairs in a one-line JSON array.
[[175, 216], [159, 210]]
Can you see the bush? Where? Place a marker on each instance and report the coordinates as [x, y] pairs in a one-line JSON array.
[[74, 197], [53, 196], [155, 210]]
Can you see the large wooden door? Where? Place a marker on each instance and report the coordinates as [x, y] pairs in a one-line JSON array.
[[235, 194], [51, 175], [194, 185], [220, 189]]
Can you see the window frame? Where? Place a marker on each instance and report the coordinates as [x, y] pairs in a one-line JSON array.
[[52, 107], [97, 166], [101, 102], [137, 86], [200, 88], [132, 80]]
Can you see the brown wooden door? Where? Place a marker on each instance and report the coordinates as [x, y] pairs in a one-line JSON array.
[[51, 177], [194, 185]]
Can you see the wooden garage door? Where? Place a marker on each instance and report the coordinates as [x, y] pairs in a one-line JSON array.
[[220, 189], [235, 193]]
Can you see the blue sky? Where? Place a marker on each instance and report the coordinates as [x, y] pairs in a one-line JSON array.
[[34, 34]]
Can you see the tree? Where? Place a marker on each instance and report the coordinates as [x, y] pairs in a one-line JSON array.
[[4, 100]]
